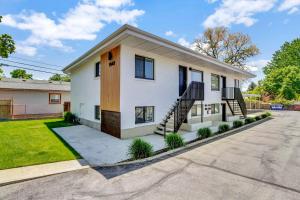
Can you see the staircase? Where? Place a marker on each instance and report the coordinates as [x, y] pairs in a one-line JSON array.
[[234, 98], [179, 110]]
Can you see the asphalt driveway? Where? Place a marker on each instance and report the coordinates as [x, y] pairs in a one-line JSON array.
[[262, 162]]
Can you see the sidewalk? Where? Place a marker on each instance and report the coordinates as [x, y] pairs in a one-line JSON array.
[[8, 176]]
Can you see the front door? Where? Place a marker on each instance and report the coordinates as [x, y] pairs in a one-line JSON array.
[[223, 112], [223, 81], [182, 79]]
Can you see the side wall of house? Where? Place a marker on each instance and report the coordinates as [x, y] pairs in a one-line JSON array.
[[85, 92], [161, 92], [33, 102]]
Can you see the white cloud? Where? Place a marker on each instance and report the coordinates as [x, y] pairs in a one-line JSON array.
[[80, 23], [291, 6], [256, 65], [182, 41], [212, 1], [238, 12], [170, 33], [26, 50]]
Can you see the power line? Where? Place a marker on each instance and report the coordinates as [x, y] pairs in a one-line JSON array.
[[35, 61], [21, 63], [7, 65]]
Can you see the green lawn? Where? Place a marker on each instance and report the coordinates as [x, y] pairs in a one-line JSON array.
[[31, 142]]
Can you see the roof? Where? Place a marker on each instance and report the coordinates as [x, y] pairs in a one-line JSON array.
[[23, 84], [126, 32]]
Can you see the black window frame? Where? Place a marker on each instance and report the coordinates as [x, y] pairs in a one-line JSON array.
[[144, 74], [197, 114], [197, 71], [236, 83], [218, 76], [144, 108], [97, 65], [213, 108], [97, 112]]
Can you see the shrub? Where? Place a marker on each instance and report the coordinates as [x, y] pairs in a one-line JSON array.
[[174, 140], [69, 117], [264, 115], [140, 149], [268, 114], [223, 128], [257, 117], [237, 123], [204, 133], [249, 120]]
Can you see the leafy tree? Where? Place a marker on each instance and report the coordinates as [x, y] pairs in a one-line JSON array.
[[59, 77], [232, 48], [20, 73], [252, 86], [7, 46], [283, 82], [288, 55]]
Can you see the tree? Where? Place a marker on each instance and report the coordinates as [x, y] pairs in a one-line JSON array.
[[59, 77], [7, 46], [252, 86], [232, 48], [283, 83], [20, 73], [287, 55]]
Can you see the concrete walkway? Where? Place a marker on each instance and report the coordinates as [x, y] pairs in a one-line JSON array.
[[262, 162], [99, 148], [30, 172]]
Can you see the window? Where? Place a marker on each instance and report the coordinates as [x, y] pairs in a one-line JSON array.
[[196, 110], [97, 69], [144, 114], [215, 108], [215, 82], [236, 83], [197, 75], [97, 112], [144, 68], [54, 98]]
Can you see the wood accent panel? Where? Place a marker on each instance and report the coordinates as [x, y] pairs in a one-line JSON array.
[[111, 123], [110, 80]]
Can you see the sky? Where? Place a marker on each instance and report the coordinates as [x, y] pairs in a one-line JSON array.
[[57, 32]]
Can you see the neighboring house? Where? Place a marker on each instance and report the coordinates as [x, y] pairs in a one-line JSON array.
[[20, 99], [128, 85]]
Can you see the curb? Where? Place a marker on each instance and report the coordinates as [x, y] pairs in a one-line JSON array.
[[46, 175], [191, 145]]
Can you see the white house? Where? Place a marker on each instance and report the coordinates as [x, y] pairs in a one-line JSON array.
[[135, 83], [20, 98]]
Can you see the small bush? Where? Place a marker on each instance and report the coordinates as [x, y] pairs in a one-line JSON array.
[[249, 120], [264, 115], [223, 128], [69, 117], [237, 123], [268, 114], [257, 118], [174, 140], [140, 149], [204, 133]]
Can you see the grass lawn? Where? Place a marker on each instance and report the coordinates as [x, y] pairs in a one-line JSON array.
[[31, 142]]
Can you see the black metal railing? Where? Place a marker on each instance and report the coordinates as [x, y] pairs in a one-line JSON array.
[[233, 93], [194, 92]]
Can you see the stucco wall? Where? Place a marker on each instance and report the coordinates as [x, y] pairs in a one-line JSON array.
[[33, 102], [85, 90], [163, 90]]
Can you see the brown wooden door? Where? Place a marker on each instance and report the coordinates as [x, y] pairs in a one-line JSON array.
[[67, 106], [5, 109]]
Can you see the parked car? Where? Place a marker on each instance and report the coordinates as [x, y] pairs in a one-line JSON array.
[[276, 107]]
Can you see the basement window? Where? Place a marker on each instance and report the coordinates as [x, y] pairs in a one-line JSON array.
[[144, 114], [97, 112], [144, 67]]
